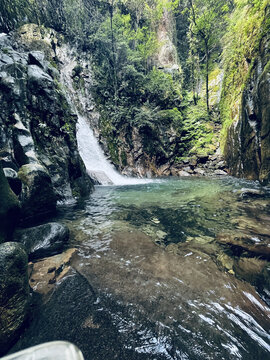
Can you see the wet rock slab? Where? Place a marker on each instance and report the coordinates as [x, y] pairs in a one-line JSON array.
[[44, 240], [38, 197], [14, 294], [74, 313]]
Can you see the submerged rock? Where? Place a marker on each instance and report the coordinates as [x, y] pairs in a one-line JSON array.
[[45, 273], [253, 270], [226, 261], [14, 294], [43, 240], [257, 226], [251, 193], [252, 245]]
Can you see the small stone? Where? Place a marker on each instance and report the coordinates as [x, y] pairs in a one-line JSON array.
[[220, 172], [183, 173], [193, 161], [155, 220], [161, 234], [51, 269], [199, 171], [188, 169], [221, 165]]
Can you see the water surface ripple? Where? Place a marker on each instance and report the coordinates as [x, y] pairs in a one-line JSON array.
[[150, 255]]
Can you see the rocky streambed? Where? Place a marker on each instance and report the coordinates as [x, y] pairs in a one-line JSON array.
[[174, 269]]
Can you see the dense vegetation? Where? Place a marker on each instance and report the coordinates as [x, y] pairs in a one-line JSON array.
[[249, 23], [133, 90]]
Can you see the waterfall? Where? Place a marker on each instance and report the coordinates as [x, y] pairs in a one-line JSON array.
[[98, 167], [96, 163]]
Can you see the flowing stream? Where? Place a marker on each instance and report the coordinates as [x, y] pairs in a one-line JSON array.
[[147, 281]]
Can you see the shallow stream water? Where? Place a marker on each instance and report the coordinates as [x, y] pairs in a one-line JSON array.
[[147, 281]]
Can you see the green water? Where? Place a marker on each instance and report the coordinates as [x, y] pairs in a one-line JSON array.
[[166, 287]]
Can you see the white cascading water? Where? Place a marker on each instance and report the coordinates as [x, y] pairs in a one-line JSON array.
[[97, 165]]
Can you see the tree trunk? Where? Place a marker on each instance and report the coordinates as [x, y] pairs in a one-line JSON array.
[[113, 53], [207, 77]]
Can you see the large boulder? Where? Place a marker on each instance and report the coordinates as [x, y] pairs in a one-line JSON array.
[[9, 208], [38, 198], [44, 240], [13, 180], [14, 293]]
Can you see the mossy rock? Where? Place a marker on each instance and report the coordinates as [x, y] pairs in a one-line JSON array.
[[38, 197], [9, 208]]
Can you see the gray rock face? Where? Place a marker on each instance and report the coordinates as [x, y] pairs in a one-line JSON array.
[[44, 240], [247, 149], [37, 124], [14, 294], [37, 58]]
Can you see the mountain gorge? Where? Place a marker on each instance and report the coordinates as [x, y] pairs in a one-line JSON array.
[[160, 88], [159, 97]]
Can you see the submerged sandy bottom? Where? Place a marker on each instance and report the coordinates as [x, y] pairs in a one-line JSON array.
[[147, 282], [195, 310]]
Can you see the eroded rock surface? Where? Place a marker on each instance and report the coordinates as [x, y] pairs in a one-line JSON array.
[[248, 143]]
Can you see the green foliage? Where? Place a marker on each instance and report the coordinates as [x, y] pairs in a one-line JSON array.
[[207, 24], [13, 12], [160, 88], [248, 24], [172, 117], [198, 135], [130, 91], [121, 36]]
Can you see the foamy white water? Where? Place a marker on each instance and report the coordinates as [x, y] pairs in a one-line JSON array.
[[97, 165]]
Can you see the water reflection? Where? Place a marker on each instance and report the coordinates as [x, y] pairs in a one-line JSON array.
[[151, 255], [178, 306]]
